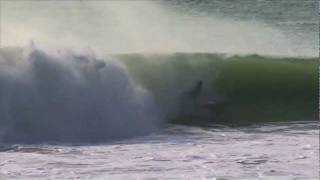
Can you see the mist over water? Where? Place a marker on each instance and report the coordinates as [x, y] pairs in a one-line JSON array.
[[70, 97], [146, 27]]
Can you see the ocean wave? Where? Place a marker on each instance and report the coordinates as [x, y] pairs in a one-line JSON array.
[[236, 89], [70, 97]]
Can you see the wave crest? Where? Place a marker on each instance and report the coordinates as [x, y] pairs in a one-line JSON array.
[[70, 98]]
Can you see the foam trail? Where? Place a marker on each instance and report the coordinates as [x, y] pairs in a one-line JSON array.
[[69, 97]]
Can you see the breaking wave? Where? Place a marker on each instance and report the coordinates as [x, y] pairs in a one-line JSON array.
[[72, 97], [244, 89], [69, 97]]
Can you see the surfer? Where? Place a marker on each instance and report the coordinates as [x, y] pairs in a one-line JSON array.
[[196, 91], [188, 101]]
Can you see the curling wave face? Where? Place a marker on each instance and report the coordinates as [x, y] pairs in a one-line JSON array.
[[249, 88], [69, 97]]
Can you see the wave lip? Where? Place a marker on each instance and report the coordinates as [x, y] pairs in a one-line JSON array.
[[70, 98]]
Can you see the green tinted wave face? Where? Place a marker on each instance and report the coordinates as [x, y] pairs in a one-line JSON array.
[[259, 89], [249, 89]]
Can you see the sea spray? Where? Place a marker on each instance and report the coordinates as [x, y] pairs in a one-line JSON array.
[[69, 97], [145, 27]]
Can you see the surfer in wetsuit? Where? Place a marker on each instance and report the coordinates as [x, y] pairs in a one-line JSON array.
[[188, 100], [195, 107], [195, 92]]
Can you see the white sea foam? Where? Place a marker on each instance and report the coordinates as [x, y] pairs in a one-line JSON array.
[[70, 97]]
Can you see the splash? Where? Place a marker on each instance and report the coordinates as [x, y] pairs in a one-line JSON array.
[[70, 97]]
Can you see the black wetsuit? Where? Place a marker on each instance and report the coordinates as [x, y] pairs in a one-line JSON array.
[[195, 92], [188, 101]]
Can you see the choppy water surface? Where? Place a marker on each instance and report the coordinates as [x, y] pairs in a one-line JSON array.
[[270, 151]]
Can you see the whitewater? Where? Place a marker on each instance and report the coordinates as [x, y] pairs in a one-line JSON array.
[[269, 151], [101, 89]]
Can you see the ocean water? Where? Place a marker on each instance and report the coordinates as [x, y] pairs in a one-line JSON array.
[[93, 89], [265, 151]]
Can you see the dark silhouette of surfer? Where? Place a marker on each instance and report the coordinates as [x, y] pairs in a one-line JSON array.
[[189, 99], [196, 107], [196, 91]]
